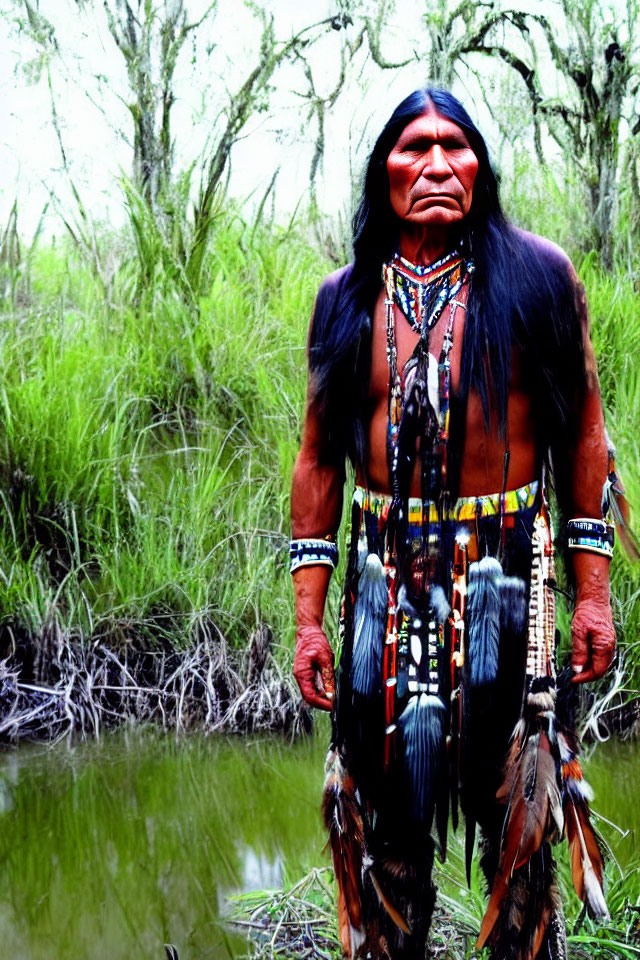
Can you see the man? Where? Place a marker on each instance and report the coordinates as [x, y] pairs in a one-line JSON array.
[[451, 363]]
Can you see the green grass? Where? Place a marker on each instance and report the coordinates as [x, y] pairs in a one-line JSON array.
[[148, 431], [146, 443], [615, 328], [279, 922]]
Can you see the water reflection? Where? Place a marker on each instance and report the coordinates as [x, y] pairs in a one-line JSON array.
[[259, 872], [113, 849], [613, 770]]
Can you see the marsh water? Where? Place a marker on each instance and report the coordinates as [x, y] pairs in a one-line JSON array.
[[112, 849]]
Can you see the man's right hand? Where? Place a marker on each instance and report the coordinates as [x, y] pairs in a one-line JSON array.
[[313, 667]]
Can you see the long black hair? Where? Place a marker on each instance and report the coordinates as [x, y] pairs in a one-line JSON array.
[[522, 295]]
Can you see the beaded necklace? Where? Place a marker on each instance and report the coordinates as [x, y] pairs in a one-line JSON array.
[[421, 293]]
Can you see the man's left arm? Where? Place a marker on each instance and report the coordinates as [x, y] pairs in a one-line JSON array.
[[592, 632]]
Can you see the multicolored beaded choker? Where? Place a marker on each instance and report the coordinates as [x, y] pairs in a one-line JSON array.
[[421, 293]]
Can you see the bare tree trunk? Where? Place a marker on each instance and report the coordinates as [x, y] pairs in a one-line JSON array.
[[142, 35], [598, 66]]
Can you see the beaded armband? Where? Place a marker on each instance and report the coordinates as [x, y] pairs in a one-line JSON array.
[[596, 536], [308, 552]]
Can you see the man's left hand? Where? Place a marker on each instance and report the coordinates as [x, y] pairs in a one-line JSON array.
[[594, 639]]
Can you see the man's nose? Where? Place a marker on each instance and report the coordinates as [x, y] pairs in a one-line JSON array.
[[436, 163]]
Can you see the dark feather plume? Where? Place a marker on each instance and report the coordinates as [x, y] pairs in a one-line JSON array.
[[369, 626], [469, 846], [484, 620], [344, 823], [513, 605], [527, 911], [421, 725]]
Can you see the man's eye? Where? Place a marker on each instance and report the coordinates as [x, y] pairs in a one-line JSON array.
[[423, 146], [416, 146]]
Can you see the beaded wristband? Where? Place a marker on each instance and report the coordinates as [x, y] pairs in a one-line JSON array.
[[596, 536], [308, 552]]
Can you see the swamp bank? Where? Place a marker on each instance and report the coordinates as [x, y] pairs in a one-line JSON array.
[[147, 441], [57, 686]]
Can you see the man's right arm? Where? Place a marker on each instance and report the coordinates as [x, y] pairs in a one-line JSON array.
[[316, 508]]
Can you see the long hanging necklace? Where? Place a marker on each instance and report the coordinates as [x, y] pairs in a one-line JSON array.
[[421, 294], [414, 645]]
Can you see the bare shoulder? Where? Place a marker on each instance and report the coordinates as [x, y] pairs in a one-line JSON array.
[[548, 252], [333, 281], [326, 299], [553, 258]]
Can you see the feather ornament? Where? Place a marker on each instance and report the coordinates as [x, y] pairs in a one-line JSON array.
[[587, 867], [363, 553], [388, 905], [421, 725], [586, 859], [439, 604], [620, 513], [370, 616], [513, 605], [343, 820], [614, 501], [484, 620], [527, 913], [534, 811], [404, 604], [469, 846], [530, 912]]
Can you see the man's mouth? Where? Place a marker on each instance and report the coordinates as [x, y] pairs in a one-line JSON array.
[[438, 196], [435, 198]]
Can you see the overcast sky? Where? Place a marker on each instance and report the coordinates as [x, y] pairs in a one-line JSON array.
[[90, 93]]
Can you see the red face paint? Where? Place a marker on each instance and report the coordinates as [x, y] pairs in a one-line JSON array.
[[431, 170]]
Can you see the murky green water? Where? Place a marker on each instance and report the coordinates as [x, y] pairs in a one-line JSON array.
[[613, 770], [110, 850]]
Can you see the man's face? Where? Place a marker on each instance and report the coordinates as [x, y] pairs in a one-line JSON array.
[[431, 170]]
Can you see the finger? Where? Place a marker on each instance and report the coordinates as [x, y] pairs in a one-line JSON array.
[[328, 681], [310, 694], [319, 701], [305, 678], [579, 646], [583, 677], [602, 659], [323, 657]]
